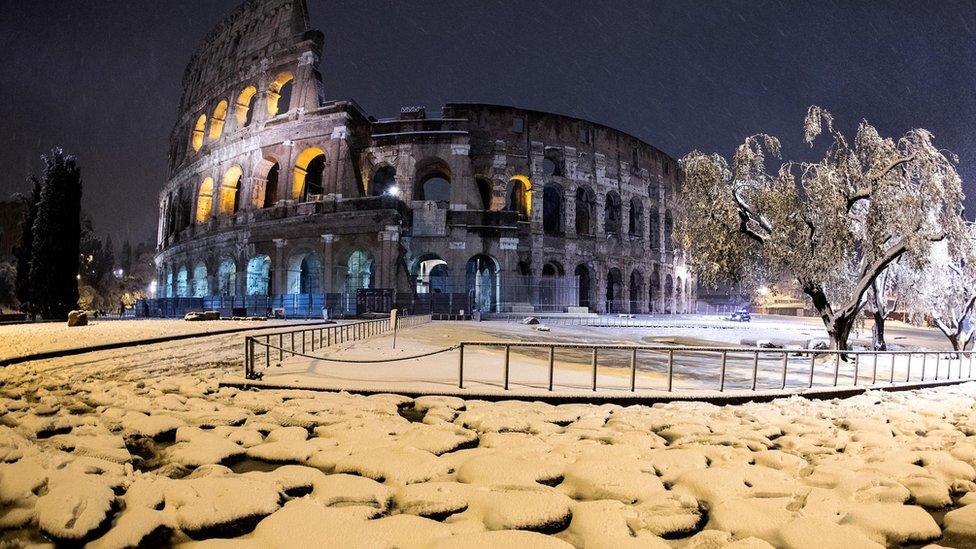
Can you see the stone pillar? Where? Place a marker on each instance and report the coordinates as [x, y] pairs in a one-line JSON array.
[[569, 211], [386, 266], [279, 269], [306, 94], [327, 281]]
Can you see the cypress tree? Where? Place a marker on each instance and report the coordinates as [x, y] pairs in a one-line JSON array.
[[57, 232], [25, 243]]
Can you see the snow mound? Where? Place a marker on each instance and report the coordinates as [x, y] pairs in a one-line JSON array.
[[347, 490], [621, 479], [604, 524], [961, 521], [511, 467], [893, 524], [540, 509], [393, 464], [138, 527], [221, 506], [814, 533], [74, 508], [196, 447], [436, 500]]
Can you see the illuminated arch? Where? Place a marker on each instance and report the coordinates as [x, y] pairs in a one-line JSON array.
[[217, 120], [258, 275], [304, 271], [279, 93], [205, 200], [230, 190], [197, 138], [200, 283], [245, 106], [227, 277], [518, 196], [267, 170], [306, 177]]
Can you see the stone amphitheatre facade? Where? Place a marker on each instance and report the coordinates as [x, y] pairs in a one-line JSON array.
[[280, 197]]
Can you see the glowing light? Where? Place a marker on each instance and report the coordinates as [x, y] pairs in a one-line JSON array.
[[762, 290], [393, 190]]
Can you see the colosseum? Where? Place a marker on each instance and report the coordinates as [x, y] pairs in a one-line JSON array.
[[281, 199]]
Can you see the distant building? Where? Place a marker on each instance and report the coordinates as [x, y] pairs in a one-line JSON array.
[[275, 191], [11, 215]]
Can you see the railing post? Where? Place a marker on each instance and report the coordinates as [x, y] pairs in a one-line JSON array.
[[925, 360], [507, 360], [755, 369], [312, 339], [786, 360], [908, 368], [837, 368], [293, 344], [461, 366], [892, 380], [813, 365], [874, 369], [670, 370], [281, 348], [938, 364], [969, 368], [633, 370], [552, 363], [303, 341], [721, 381], [594, 368], [857, 363], [247, 356], [267, 352]]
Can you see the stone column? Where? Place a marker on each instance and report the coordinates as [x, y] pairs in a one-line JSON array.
[[328, 264], [279, 268], [569, 211]]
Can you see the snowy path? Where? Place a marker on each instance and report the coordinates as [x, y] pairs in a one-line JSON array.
[[24, 339], [142, 446]]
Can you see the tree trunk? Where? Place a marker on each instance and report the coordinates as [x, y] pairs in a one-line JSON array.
[[877, 332], [955, 341], [839, 331]]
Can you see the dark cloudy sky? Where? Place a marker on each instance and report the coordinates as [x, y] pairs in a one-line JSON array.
[[102, 78]]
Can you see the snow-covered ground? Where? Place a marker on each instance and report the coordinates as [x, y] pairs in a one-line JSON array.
[[142, 446], [23, 339]]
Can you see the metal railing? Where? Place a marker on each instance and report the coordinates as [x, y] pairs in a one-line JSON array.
[[622, 320], [740, 368], [304, 342]]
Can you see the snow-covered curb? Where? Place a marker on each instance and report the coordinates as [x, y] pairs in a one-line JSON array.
[[598, 397]]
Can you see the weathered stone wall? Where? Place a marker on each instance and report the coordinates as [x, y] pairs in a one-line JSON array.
[[315, 186]]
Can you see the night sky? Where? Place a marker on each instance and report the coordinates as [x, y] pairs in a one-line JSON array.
[[102, 78]]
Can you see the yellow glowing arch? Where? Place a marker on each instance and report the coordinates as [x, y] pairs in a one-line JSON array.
[[205, 200], [244, 105], [198, 130], [301, 170], [217, 120], [526, 190], [274, 93], [229, 188]]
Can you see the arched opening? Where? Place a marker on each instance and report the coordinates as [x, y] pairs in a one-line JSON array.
[[615, 286], [201, 286], [481, 277], [524, 286], [654, 230], [654, 290], [245, 106], [182, 283], [668, 294], [552, 210], [359, 271], [230, 191], [636, 218], [518, 195], [205, 200], [636, 291], [279, 94], [196, 139], [585, 208], [583, 277], [382, 181], [431, 275], [304, 273], [433, 182], [227, 278], [552, 163], [484, 191], [259, 275], [168, 283], [309, 169], [668, 231], [217, 120], [611, 214], [549, 286], [271, 187]]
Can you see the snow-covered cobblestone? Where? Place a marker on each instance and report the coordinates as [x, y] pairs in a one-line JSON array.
[[119, 459]]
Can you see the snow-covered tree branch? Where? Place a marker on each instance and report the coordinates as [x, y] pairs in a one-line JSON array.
[[834, 225]]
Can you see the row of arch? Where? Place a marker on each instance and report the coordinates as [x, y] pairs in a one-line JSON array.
[[278, 101], [303, 275]]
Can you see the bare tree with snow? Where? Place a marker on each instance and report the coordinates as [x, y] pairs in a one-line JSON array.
[[884, 298], [945, 292], [834, 225]]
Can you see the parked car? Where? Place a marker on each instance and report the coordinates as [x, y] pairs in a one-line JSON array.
[[742, 315]]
